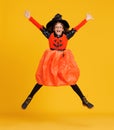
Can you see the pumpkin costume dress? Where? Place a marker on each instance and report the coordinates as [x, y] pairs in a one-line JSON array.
[[57, 66]]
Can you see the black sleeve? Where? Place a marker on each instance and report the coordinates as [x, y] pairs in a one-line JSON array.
[[45, 32], [70, 33]]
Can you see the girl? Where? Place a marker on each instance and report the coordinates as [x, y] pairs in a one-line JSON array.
[[57, 66]]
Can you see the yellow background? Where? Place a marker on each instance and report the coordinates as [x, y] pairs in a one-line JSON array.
[[22, 45]]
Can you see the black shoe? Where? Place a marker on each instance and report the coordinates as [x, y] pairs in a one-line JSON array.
[[86, 103], [27, 101]]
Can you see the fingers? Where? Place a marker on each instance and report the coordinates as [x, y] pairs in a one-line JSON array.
[[89, 17], [27, 14]]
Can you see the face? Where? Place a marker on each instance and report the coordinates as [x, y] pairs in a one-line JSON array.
[[58, 28]]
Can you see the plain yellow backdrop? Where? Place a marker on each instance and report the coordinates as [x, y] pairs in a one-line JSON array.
[[22, 45]]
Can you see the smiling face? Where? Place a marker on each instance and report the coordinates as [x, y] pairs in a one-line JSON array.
[[58, 29]]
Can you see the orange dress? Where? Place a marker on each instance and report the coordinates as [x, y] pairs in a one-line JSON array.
[[57, 66]]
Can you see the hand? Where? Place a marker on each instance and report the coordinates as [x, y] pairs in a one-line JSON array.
[[27, 14], [89, 17]]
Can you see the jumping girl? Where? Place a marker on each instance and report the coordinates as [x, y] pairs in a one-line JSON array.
[[57, 66]]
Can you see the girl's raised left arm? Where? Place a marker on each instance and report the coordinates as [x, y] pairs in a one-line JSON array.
[[76, 28]]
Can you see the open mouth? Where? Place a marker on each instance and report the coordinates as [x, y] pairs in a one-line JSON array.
[[58, 31]]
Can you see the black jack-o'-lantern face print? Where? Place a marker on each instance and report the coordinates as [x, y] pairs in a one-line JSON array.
[[58, 42]]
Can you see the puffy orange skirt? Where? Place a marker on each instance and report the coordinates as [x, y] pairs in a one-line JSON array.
[[57, 68]]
